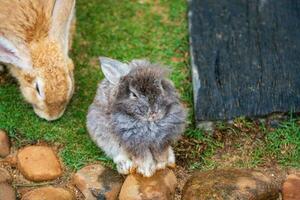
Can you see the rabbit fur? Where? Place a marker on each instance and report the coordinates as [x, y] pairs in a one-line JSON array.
[[136, 115], [35, 36]]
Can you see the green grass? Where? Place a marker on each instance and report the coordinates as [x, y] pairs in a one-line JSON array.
[[249, 144], [283, 144], [119, 29], [125, 30]]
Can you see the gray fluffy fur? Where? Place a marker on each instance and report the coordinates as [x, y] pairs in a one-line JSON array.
[[142, 111]]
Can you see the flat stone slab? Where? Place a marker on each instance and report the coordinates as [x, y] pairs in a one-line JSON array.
[[48, 193], [38, 163], [98, 182], [231, 184], [245, 57], [160, 186]]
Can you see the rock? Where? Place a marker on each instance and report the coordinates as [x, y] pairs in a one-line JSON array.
[[48, 193], [39, 163], [11, 159], [291, 188], [4, 144], [230, 184], [98, 182], [5, 176], [7, 192], [160, 186]]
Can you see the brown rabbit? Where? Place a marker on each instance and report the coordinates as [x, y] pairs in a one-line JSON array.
[[35, 37]]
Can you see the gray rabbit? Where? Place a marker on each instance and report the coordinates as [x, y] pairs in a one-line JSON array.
[[136, 115]]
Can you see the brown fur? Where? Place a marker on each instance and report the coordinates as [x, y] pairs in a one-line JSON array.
[[28, 23], [27, 19]]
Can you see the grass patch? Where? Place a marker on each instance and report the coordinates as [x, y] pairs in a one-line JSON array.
[[283, 144], [252, 143]]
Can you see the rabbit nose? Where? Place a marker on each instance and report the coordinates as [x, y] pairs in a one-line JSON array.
[[152, 115]]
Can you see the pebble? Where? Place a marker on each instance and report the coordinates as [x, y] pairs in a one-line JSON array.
[[230, 184], [5, 177], [7, 192], [48, 193], [160, 186], [4, 144], [98, 182], [291, 188], [38, 163]]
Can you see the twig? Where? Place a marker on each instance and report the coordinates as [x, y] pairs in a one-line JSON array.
[[32, 184]]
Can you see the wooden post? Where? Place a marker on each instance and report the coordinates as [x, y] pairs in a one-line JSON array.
[[245, 57]]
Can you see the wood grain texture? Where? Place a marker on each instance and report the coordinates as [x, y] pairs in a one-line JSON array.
[[245, 57]]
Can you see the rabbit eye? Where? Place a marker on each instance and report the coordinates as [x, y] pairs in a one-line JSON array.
[[133, 95], [37, 88]]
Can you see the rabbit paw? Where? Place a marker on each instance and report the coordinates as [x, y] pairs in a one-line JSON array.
[[161, 165], [171, 158], [166, 159], [146, 168], [124, 164]]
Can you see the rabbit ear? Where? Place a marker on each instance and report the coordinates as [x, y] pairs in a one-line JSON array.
[[140, 63], [62, 16], [113, 70], [10, 54]]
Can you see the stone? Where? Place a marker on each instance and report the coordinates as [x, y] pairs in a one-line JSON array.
[[11, 159], [230, 184], [48, 193], [98, 182], [160, 186], [5, 177], [7, 192], [291, 188], [4, 144], [38, 163]]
